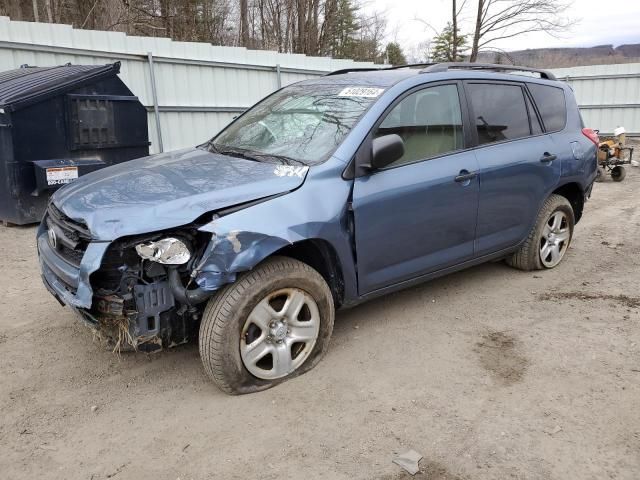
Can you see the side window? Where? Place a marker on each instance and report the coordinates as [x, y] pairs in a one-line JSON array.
[[551, 104], [500, 112], [429, 121]]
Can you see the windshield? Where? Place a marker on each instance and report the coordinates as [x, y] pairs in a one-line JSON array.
[[299, 124]]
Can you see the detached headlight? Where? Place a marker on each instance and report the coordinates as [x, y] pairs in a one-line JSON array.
[[168, 251]]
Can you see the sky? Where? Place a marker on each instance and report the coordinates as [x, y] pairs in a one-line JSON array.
[[598, 22]]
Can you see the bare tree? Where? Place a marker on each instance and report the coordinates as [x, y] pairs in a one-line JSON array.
[[35, 11], [311, 27], [501, 19], [244, 23], [455, 14]]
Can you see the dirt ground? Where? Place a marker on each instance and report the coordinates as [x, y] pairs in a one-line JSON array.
[[490, 373]]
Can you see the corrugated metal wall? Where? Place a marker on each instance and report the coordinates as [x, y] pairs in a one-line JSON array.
[[608, 95], [199, 87]]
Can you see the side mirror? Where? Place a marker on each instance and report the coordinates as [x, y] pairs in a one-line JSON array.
[[386, 150]]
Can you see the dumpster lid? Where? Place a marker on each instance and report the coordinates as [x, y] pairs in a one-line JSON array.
[[27, 85]]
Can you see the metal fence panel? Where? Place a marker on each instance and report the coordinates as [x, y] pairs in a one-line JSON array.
[[199, 87], [608, 95]]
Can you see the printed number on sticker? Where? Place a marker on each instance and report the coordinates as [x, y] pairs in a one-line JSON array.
[[361, 92], [61, 175]]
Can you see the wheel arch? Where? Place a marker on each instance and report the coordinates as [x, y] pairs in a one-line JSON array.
[[574, 193], [320, 255]]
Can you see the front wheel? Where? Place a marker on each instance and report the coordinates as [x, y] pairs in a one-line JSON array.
[[272, 324], [549, 239]]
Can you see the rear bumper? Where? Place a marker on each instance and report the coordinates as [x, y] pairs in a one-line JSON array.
[[67, 282]]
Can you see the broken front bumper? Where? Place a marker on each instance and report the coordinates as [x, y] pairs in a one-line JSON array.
[[149, 326], [67, 282]]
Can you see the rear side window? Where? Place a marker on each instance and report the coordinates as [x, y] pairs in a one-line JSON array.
[[551, 105], [500, 112]]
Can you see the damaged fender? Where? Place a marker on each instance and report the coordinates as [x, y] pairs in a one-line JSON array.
[[244, 238]]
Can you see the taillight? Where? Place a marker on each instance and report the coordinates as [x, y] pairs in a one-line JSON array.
[[591, 134]]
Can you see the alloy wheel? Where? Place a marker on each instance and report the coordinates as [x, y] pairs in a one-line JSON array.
[[279, 333], [555, 239]]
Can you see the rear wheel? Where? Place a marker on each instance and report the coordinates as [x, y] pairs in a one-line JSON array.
[[272, 324], [618, 173], [549, 240], [601, 174]]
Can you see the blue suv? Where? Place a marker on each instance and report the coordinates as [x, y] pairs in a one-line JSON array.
[[325, 194]]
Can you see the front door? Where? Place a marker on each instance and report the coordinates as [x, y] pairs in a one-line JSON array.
[[418, 215]]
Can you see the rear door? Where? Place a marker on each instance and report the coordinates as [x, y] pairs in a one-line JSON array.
[[574, 149], [418, 214], [518, 164]]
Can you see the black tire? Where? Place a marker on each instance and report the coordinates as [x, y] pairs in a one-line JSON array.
[[601, 174], [618, 173], [225, 315], [528, 256]]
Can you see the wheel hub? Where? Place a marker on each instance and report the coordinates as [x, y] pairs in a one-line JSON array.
[[278, 331]]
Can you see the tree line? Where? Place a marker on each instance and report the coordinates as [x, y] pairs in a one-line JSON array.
[[336, 28]]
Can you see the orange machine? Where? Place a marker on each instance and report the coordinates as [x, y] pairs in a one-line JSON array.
[[612, 155]]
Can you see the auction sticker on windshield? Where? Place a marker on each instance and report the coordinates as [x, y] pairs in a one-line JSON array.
[[368, 92], [61, 175]]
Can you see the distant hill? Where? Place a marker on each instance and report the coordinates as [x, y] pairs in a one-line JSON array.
[[566, 57]]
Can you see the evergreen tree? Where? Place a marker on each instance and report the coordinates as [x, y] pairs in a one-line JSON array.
[[394, 54], [345, 27], [442, 50]]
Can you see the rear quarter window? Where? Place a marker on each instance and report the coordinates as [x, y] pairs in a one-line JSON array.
[[551, 105]]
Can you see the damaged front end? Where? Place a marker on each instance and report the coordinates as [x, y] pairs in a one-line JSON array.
[[134, 295], [148, 291], [134, 303]]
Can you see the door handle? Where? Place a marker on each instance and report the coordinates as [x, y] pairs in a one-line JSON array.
[[547, 157], [465, 176]]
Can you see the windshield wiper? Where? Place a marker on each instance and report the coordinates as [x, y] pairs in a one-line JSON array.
[[280, 158], [255, 156]]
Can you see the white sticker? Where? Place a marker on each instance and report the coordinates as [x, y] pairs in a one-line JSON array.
[[290, 171], [61, 175], [368, 92]]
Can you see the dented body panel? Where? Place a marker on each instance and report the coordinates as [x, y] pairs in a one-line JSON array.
[[243, 239]]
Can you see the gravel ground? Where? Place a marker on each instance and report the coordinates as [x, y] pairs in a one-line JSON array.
[[490, 373]]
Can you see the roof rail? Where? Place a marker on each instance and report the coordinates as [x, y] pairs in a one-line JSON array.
[[412, 65], [348, 70], [443, 67], [371, 69]]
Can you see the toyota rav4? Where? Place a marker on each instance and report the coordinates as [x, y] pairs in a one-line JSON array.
[[325, 194]]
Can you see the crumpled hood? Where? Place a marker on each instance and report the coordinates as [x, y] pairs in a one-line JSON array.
[[168, 190]]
